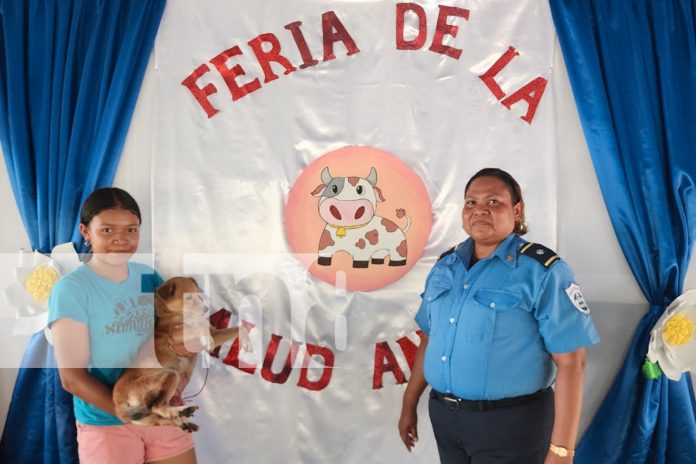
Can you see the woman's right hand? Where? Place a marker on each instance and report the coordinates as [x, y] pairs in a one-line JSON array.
[[408, 422], [408, 426]]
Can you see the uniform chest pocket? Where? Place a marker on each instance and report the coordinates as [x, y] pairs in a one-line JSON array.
[[502, 313], [497, 300], [482, 315], [436, 297]]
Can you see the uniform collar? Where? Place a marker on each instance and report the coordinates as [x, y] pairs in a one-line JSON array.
[[506, 251], [464, 250]]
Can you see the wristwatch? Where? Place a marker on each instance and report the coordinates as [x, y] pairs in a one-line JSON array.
[[561, 451]]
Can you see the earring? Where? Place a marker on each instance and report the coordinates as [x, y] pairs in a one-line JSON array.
[[87, 243]]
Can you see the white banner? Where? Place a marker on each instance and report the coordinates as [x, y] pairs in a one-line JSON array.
[[309, 166]]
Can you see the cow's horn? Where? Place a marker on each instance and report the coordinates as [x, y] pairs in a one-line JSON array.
[[325, 176], [372, 178]]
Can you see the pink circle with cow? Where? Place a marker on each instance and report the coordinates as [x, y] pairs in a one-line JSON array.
[[358, 218]]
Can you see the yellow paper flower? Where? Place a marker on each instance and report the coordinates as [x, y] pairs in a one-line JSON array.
[[673, 339], [40, 282], [34, 279], [678, 330]]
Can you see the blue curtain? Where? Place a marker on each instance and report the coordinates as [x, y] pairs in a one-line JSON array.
[[632, 67], [70, 73]]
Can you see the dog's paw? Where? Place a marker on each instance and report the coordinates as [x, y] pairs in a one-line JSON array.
[[188, 411], [189, 427]]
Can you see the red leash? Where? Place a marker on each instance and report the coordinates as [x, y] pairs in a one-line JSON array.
[[207, 370]]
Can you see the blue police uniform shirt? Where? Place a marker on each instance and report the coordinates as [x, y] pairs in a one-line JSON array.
[[493, 326]]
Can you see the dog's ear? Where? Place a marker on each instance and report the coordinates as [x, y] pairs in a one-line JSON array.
[[167, 290]]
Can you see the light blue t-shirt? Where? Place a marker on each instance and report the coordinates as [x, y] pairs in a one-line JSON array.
[[120, 317], [493, 326]]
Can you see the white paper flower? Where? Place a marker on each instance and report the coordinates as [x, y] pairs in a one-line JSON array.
[[673, 340], [35, 278]]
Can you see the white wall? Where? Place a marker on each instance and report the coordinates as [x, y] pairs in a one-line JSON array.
[[585, 239]]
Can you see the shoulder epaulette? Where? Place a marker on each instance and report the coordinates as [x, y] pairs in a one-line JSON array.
[[544, 256], [450, 251]]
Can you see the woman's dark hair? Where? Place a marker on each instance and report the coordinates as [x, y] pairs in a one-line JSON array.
[[108, 198], [521, 227]]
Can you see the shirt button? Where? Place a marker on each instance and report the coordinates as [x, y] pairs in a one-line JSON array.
[[451, 320], [444, 358], [492, 305], [466, 286]]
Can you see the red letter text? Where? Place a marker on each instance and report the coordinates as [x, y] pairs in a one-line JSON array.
[[265, 57], [201, 95], [307, 58], [385, 361], [327, 354], [442, 29], [417, 43], [230, 74], [333, 31]]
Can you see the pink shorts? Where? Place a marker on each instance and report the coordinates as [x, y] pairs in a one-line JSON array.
[[130, 444]]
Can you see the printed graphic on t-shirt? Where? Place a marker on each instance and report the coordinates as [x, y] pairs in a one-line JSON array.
[[132, 315]]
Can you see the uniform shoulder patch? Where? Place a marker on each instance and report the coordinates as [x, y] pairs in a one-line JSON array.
[[448, 252], [544, 256], [575, 297]]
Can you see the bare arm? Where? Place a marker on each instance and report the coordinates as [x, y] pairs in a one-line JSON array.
[[408, 422], [221, 336], [568, 398], [71, 343]]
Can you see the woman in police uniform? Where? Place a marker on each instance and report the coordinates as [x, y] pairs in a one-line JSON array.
[[501, 318]]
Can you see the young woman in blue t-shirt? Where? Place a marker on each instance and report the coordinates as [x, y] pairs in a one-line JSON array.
[[100, 315]]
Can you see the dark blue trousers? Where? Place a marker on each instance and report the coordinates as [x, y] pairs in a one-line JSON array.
[[518, 434]]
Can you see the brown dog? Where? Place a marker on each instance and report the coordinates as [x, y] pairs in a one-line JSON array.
[[143, 393]]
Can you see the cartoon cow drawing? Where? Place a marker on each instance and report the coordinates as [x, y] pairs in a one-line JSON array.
[[348, 205]]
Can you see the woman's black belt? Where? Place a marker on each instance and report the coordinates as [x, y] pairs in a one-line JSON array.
[[485, 405]]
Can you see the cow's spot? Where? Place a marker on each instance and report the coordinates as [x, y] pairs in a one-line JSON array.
[[353, 181], [390, 226], [325, 241], [372, 236], [334, 187], [402, 249], [360, 244]]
